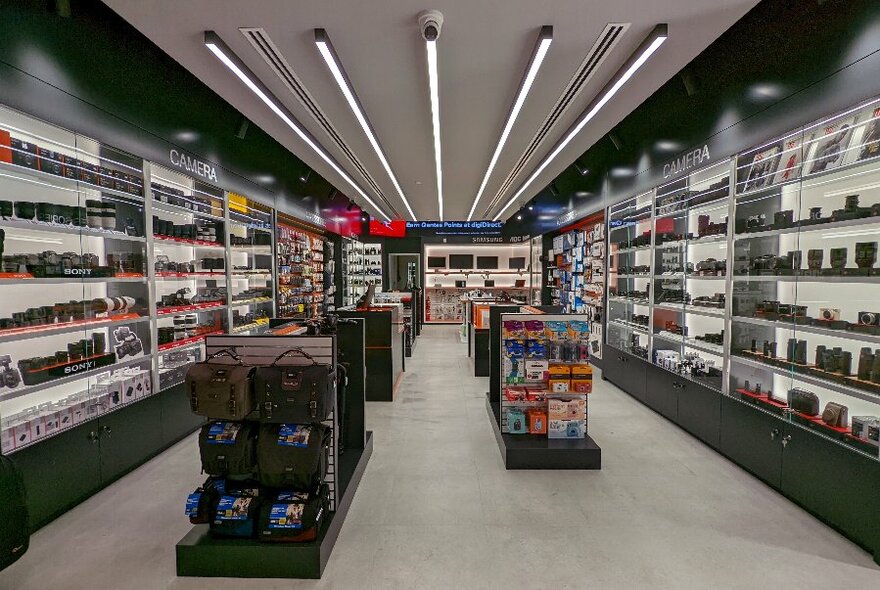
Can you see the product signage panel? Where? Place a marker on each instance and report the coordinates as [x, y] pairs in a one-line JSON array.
[[388, 229], [474, 232], [687, 161]]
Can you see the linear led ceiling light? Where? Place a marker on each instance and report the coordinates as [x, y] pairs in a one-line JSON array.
[[342, 80], [541, 47], [430, 23], [243, 73], [648, 47]]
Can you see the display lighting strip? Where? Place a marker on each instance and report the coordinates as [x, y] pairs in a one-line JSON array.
[[648, 47], [331, 58], [538, 54], [434, 87], [243, 73]]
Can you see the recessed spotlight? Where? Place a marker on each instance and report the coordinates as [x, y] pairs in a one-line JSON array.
[[222, 52], [648, 47], [322, 40], [531, 207], [519, 216], [538, 54]]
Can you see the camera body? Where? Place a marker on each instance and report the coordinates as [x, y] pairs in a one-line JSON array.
[[869, 318], [828, 314]]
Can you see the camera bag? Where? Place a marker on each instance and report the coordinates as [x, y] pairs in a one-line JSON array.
[[294, 517], [228, 449], [200, 503], [836, 415], [293, 455], [295, 394], [14, 525], [235, 516], [803, 401], [221, 391]]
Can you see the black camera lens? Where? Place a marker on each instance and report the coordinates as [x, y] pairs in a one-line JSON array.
[[62, 356], [25, 210]]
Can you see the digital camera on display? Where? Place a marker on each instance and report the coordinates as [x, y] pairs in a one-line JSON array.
[[9, 376], [828, 314], [838, 258], [866, 254], [127, 342], [815, 259], [869, 318]]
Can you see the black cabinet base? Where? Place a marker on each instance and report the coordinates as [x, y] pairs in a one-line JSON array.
[[199, 554], [523, 451]]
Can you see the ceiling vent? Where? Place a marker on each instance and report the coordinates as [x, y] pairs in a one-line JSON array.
[[261, 42], [603, 46]]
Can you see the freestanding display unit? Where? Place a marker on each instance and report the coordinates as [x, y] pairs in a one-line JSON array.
[[538, 402], [200, 554]]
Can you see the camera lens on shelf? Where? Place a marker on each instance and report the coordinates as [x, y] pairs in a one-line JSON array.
[[94, 212], [108, 215], [75, 350], [24, 210], [99, 342], [62, 356]]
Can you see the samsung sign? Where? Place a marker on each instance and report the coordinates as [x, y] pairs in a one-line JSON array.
[[192, 165], [686, 162]]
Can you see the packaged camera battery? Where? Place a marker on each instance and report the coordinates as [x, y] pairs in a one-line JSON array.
[[7, 437]]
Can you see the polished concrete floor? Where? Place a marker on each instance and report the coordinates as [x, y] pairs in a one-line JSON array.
[[436, 509]]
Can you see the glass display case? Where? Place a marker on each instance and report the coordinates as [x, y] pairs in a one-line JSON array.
[[629, 275], [805, 326], [190, 269], [690, 235], [778, 308], [251, 235], [75, 339]]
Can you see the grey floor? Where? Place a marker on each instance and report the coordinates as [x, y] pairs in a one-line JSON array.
[[436, 509]]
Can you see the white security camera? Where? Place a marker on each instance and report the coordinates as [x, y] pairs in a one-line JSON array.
[[430, 22]]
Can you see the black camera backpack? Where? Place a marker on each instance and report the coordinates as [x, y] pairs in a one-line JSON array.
[[295, 394], [14, 525], [293, 455], [228, 448]]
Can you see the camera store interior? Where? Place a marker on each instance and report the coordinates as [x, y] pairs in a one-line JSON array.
[[354, 295]]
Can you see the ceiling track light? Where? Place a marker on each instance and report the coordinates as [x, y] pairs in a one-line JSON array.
[[222, 52], [430, 23], [331, 58], [582, 170], [545, 37], [647, 48], [304, 177], [554, 190]]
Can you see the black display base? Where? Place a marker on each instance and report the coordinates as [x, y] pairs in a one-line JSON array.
[[201, 555], [524, 451]]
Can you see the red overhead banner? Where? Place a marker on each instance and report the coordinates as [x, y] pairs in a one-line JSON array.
[[388, 229]]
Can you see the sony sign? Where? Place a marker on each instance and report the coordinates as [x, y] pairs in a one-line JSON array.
[[686, 162], [192, 165]]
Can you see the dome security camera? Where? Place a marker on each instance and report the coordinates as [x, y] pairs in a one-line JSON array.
[[430, 23]]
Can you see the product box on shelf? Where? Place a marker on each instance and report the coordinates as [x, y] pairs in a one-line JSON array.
[[567, 416]]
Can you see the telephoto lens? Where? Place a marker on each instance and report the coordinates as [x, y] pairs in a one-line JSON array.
[[108, 215], [94, 213]]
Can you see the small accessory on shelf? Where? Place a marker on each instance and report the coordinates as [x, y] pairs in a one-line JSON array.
[[835, 415]]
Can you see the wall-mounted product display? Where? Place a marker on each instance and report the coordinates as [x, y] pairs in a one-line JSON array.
[[774, 307], [329, 277], [75, 338], [545, 376], [576, 274], [251, 241], [190, 268], [452, 272], [362, 268], [300, 258]]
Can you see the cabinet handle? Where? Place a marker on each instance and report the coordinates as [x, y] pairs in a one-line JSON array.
[[774, 433], [93, 436], [786, 440]]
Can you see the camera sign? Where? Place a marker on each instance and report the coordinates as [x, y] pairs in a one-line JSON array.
[[687, 161], [192, 165]]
